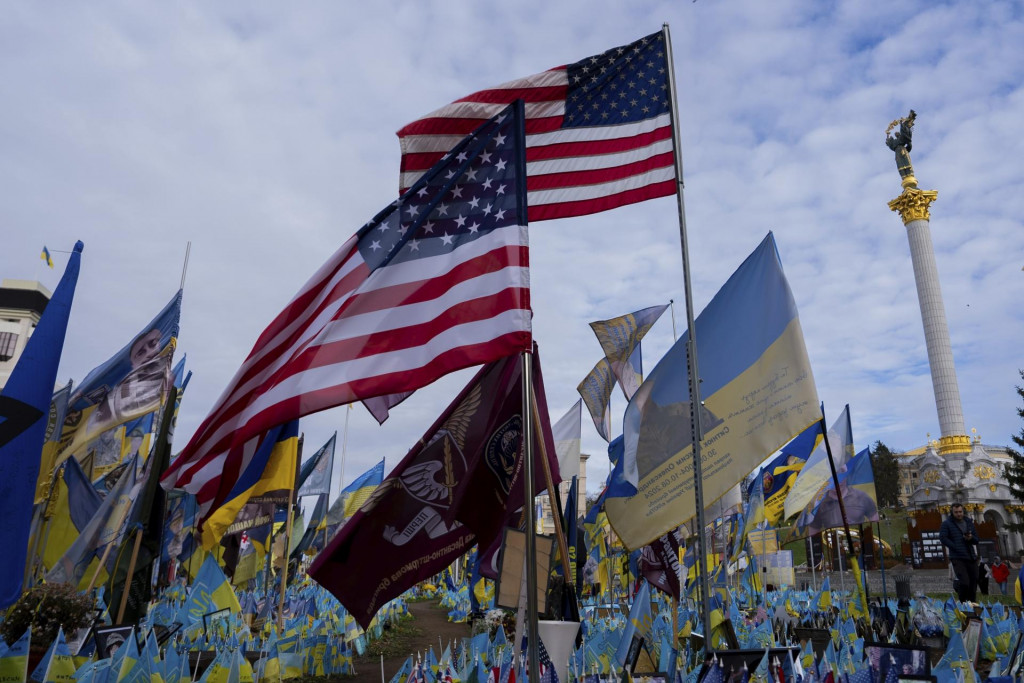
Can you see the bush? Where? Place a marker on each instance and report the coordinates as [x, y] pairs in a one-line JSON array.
[[46, 608]]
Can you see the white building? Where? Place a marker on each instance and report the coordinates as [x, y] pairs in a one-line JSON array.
[[22, 302], [546, 519]]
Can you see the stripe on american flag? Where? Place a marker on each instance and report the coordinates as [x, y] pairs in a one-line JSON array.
[[598, 132], [436, 282]]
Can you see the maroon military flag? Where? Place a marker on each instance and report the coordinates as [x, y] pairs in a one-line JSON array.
[[659, 563], [454, 488]]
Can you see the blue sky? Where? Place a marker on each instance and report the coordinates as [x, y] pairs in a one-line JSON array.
[[264, 134]]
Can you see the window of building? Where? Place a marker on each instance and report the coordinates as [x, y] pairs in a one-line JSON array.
[[8, 342]]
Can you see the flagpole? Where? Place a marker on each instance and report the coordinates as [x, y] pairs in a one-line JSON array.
[[846, 524], [556, 512], [531, 525], [691, 350], [126, 587], [672, 310], [814, 577], [184, 266]]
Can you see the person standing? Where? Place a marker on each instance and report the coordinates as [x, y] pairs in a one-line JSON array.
[[958, 535], [1000, 573]]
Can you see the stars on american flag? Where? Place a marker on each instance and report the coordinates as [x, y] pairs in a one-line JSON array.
[[622, 85], [470, 193]]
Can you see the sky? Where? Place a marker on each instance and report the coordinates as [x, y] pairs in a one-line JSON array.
[[263, 134]]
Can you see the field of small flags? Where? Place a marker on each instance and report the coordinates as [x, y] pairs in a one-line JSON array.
[[764, 623], [207, 631]]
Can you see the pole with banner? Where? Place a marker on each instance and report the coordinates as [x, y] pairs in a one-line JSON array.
[[531, 524], [854, 565], [691, 352]]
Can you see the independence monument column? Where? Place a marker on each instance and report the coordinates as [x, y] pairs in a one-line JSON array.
[[912, 206]]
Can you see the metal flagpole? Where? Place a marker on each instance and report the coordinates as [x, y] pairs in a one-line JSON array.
[[531, 524], [861, 588], [672, 309], [881, 562], [691, 351], [814, 577], [184, 266]]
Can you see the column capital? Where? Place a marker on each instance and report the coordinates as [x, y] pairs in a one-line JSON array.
[[958, 443], [913, 204]]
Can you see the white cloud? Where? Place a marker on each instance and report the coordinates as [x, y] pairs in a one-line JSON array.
[[265, 136]]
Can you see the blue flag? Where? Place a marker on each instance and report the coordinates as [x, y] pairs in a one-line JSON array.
[[757, 393], [23, 404], [639, 625]]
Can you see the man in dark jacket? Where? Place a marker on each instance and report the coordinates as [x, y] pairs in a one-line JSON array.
[[958, 535]]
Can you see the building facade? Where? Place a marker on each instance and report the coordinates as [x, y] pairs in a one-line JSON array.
[[546, 517], [930, 481], [22, 303]]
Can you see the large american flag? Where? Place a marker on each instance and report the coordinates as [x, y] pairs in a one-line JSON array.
[[436, 282], [598, 132]]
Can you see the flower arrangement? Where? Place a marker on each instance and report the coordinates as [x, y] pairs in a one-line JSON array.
[[46, 608], [492, 619]]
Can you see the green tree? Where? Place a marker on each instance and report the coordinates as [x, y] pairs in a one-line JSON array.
[[887, 475], [1014, 470]]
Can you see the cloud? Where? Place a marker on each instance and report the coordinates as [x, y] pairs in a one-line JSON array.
[[265, 136]]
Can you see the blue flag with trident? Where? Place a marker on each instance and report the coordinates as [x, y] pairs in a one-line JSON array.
[[24, 403]]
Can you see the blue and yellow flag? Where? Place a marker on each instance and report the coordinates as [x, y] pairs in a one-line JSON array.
[[210, 592], [640, 621], [24, 404], [14, 662], [620, 339], [857, 486], [45, 255], [270, 472], [54, 424], [57, 664], [106, 526], [71, 507], [757, 394], [130, 384], [353, 496], [778, 476], [596, 391], [816, 472]]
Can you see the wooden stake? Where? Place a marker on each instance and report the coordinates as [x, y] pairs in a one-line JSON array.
[[128, 576], [563, 546], [99, 567]]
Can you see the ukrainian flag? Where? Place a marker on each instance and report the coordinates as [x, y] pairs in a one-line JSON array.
[[46, 257], [1018, 584], [210, 592], [71, 507], [778, 476], [757, 394], [358, 491], [14, 662], [272, 468], [353, 496], [817, 472], [60, 667]]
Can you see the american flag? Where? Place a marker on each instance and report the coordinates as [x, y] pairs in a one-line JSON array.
[[598, 132], [436, 282]]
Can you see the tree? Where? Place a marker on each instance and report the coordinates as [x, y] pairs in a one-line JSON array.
[[1014, 470], [887, 475]]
